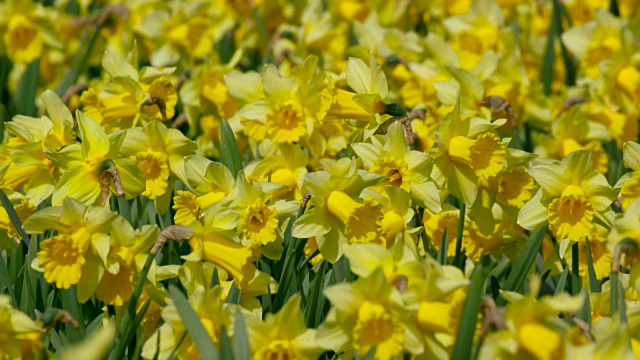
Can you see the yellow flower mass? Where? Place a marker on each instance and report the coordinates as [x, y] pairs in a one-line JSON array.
[[320, 179]]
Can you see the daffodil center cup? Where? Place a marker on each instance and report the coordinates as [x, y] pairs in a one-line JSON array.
[[361, 220], [485, 155]]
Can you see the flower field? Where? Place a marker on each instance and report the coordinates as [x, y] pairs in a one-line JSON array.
[[319, 179]]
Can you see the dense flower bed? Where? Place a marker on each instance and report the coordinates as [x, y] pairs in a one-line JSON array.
[[319, 179]]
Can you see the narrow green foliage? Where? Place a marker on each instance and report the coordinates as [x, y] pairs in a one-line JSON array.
[[128, 325], [8, 206], [79, 61], [458, 260], [230, 152], [466, 328], [240, 338], [226, 352], [549, 54], [593, 280], [71, 304], [442, 253], [313, 311], [5, 280], [234, 294], [524, 262], [562, 282], [196, 330], [24, 99], [585, 312], [575, 269]]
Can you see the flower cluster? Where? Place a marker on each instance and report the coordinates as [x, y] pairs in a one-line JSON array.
[[318, 179]]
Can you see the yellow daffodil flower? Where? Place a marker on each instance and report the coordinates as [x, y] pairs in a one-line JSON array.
[[468, 151], [338, 215], [283, 335], [78, 253], [571, 199], [390, 156], [629, 183], [212, 312], [20, 334], [365, 314], [159, 153]]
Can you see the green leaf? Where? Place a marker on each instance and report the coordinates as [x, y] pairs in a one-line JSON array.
[[70, 303], [613, 7], [523, 262], [313, 310], [549, 54], [234, 294], [585, 311], [458, 260], [466, 328], [8, 206], [24, 98], [225, 345], [230, 152], [442, 253], [196, 330], [5, 281], [79, 61], [240, 338], [575, 269], [593, 280], [616, 300], [128, 325], [562, 282]]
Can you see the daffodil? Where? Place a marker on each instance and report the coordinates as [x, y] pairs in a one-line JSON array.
[[126, 257], [206, 100], [571, 199], [629, 183], [258, 217], [364, 106], [594, 41], [399, 264], [159, 154], [338, 215], [622, 125], [217, 242], [212, 312], [390, 156], [570, 132], [23, 208], [287, 112], [77, 255], [467, 151], [130, 96], [208, 183], [601, 257], [365, 314], [283, 335], [19, 333], [182, 32], [32, 137], [532, 328], [439, 299], [510, 189], [286, 165], [83, 166], [625, 227], [27, 30], [476, 32]]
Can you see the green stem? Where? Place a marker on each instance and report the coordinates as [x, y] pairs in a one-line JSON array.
[[268, 58], [6, 280], [459, 258]]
